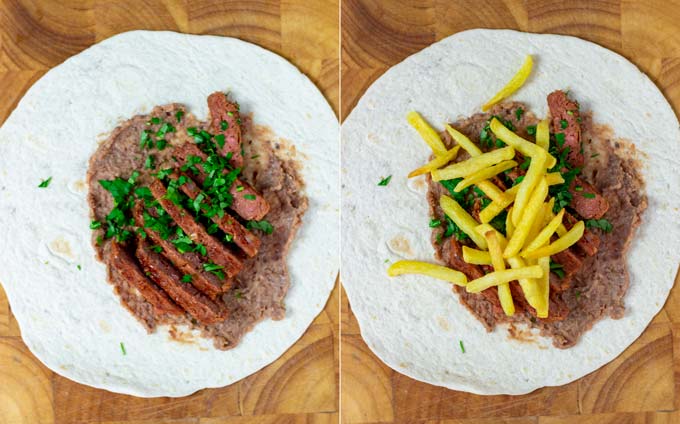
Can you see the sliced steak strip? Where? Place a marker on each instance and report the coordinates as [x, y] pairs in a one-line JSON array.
[[248, 203], [126, 266], [565, 120], [216, 250], [571, 263], [591, 207], [589, 243], [223, 110], [188, 263], [243, 238], [165, 275]]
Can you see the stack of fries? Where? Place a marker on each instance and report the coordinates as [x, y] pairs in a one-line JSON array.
[[523, 254]]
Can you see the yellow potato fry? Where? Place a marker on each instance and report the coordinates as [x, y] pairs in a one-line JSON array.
[[474, 164], [463, 141], [544, 288], [436, 163], [529, 286], [554, 178], [536, 226], [544, 235], [548, 211], [509, 227], [476, 257], [462, 219], [427, 133], [523, 146], [561, 230], [495, 207], [490, 189], [500, 277], [562, 243], [522, 229], [496, 253], [425, 268], [543, 135], [513, 85], [485, 174], [526, 187]]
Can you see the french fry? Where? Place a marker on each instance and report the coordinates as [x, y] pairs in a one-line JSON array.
[[554, 178], [425, 268], [544, 287], [513, 85], [500, 277], [544, 235], [543, 135], [463, 141], [436, 163], [496, 253], [533, 176], [495, 207], [462, 219], [537, 225], [476, 257], [523, 146], [509, 227], [484, 174], [562, 243], [529, 286], [427, 133], [522, 229], [474, 164], [490, 189]]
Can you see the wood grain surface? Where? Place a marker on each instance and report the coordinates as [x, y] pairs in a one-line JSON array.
[[300, 387], [640, 386]]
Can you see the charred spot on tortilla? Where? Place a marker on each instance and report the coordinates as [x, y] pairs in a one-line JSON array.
[[576, 239], [191, 233]]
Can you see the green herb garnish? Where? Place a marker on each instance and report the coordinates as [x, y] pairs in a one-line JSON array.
[[249, 196], [435, 223], [186, 278], [588, 195], [94, 225], [149, 162], [122, 348], [179, 115], [224, 125], [559, 138], [462, 347], [385, 181], [558, 269], [564, 124], [518, 113], [262, 225], [602, 224], [45, 183], [531, 129]]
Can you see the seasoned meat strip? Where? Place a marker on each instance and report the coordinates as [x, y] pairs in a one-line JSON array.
[[586, 200], [225, 114], [165, 275], [188, 263], [126, 266], [243, 238], [248, 203], [589, 243], [565, 120], [216, 251]]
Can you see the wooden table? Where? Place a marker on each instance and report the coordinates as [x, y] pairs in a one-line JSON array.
[[643, 384], [300, 387]]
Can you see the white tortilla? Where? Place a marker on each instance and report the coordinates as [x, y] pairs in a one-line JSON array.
[[70, 319], [414, 324]]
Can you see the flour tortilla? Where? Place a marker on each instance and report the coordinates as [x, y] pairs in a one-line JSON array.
[[414, 323], [70, 319]]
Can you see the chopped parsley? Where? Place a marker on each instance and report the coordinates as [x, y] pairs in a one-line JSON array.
[[94, 225], [559, 138], [145, 140], [577, 294], [498, 222], [518, 113], [154, 121], [385, 181], [224, 125], [462, 347], [118, 220], [220, 140], [229, 237], [122, 348], [603, 224], [564, 124], [45, 183], [589, 195], [186, 278], [79, 267], [557, 269], [594, 155], [249, 196], [525, 165], [531, 129], [179, 115], [578, 188], [263, 226], [435, 223], [215, 269], [149, 162]]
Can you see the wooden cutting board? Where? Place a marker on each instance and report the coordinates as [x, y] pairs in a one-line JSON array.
[[300, 387], [640, 386]]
